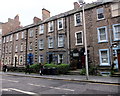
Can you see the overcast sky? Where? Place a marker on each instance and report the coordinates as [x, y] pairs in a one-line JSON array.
[[27, 9]]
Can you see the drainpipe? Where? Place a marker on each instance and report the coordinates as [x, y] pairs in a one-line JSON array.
[[12, 48], [68, 39], [26, 47]]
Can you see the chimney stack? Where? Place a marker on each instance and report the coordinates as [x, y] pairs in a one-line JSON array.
[[45, 14], [36, 20], [76, 5]]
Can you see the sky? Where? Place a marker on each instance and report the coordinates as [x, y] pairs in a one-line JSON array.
[[28, 9]]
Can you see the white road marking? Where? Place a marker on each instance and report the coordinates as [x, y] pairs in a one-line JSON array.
[[37, 85], [10, 80], [25, 92], [5, 89], [58, 88]]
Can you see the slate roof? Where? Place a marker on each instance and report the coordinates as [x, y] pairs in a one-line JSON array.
[[87, 7]]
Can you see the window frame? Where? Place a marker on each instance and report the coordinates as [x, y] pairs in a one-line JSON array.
[[113, 10], [98, 32], [22, 35], [41, 42], [63, 38], [50, 42], [20, 63], [41, 59], [30, 46], [16, 48], [115, 39], [11, 37], [60, 58], [76, 38], [49, 25], [31, 33], [17, 36], [100, 57], [99, 13], [60, 20], [21, 47], [41, 29], [75, 23]]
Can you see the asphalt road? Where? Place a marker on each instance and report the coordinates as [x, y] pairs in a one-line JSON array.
[[28, 86]]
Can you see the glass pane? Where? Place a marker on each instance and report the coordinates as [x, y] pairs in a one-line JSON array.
[[100, 10]]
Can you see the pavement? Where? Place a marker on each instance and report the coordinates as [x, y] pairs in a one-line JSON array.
[[77, 78]]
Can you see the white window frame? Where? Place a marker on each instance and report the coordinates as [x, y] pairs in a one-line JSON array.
[[60, 20], [41, 44], [0, 31], [98, 31], [100, 57], [75, 23], [49, 42], [11, 37], [20, 63], [76, 38], [16, 48], [31, 33], [21, 47], [4, 40], [41, 59], [41, 29], [99, 13], [17, 36], [30, 46], [60, 59], [51, 23], [7, 39], [115, 9], [114, 32], [61, 41], [10, 49], [22, 35]]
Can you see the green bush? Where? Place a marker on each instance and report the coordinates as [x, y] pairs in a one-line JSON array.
[[83, 71], [50, 66], [63, 68], [35, 68]]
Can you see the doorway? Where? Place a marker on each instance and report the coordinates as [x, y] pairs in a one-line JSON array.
[[50, 58]]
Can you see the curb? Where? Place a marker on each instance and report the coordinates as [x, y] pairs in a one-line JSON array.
[[87, 81]]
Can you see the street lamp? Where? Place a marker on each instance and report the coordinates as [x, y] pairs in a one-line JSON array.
[[81, 2]]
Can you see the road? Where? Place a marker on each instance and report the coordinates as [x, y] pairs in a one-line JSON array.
[[29, 86]]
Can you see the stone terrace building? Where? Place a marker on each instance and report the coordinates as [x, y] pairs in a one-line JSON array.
[[60, 38]]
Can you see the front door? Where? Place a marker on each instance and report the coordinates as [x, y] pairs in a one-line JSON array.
[[50, 58], [118, 55]]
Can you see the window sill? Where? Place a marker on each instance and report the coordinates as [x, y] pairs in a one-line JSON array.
[[102, 42], [116, 40], [79, 44], [41, 33], [59, 29], [100, 19], [77, 25], [41, 49], [50, 48], [104, 65], [60, 46]]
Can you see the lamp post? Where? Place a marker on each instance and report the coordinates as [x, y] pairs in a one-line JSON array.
[[81, 2]]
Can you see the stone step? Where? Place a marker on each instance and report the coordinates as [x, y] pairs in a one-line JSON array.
[[116, 74], [74, 72]]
